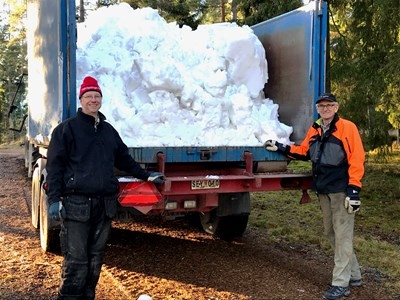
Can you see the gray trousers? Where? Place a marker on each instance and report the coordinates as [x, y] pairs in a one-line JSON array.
[[339, 228]]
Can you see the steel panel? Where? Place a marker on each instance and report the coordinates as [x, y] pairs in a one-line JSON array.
[[51, 66], [194, 154], [295, 50]]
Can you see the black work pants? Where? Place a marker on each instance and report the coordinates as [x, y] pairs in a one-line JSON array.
[[83, 237]]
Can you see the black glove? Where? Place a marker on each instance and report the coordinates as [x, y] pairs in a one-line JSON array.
[[272, 145], [156, 177], [352, 202]]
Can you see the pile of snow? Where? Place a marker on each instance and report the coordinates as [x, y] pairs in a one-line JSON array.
[[168, 86]]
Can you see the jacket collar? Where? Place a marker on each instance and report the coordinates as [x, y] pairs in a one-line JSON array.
[[318, 123], [81, 115]]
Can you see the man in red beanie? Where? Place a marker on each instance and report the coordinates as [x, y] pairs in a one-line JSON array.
[[82, 189]]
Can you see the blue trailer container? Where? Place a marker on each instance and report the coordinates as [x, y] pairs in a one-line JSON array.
[[214, 182]]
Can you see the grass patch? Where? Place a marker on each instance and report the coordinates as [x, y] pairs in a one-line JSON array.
[[13, 145], [377, 228]]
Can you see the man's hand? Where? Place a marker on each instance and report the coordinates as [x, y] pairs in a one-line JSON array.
[[272, 145], [352, 202], [56, 211], [156, 177]]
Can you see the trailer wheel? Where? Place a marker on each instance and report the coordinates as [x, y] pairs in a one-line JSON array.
[[226, 227], [49, 231], [35, 198]]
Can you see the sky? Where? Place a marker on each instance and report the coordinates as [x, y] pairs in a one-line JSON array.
[[166, 86]]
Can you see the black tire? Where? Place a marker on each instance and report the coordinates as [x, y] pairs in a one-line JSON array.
[[49, 230], [227, 227], [35, 198]]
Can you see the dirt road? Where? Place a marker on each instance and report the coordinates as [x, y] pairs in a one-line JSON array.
[[167, 260]]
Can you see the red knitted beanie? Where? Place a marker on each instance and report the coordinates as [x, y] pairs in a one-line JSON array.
[[89, 84]]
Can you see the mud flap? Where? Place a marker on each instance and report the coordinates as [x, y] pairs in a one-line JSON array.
[[233, 204]]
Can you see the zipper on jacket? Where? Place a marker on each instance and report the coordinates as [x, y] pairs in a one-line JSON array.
[[96, 123]]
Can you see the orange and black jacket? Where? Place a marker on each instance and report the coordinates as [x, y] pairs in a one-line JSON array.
[[337, 155]]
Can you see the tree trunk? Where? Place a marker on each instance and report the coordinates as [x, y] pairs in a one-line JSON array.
[[81, 11], [234, 11], [222, 10]]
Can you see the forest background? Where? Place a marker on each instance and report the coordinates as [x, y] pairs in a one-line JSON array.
[[363, 58]]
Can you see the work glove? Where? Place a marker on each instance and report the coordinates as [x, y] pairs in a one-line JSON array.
[[156, 177], [272, 145], [56, 211], [352, 201]]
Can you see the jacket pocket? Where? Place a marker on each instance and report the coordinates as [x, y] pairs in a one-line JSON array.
[[110, 205], [77, 208]]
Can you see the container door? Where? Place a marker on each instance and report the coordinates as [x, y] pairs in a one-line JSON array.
[[295, 46]]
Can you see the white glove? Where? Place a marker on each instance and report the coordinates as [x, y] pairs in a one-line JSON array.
[[156, 177], [352, 205], [270, 145]]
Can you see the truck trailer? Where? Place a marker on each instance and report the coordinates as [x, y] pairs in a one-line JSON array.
[[213, 183]]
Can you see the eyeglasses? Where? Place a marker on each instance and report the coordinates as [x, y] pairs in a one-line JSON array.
[[328, 106], [96, 97]]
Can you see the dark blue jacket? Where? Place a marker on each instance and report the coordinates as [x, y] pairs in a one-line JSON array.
[[81, 158]]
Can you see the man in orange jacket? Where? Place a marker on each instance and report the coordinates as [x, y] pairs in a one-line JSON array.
[[334, 146]]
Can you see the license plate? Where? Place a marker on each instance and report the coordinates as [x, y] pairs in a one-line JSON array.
[[205, 184]]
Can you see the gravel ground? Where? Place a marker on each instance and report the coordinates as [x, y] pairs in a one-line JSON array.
[[167, 260]]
